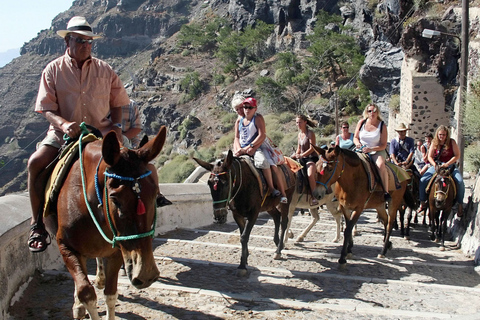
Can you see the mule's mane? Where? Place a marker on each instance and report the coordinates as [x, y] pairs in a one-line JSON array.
[[351, 157]]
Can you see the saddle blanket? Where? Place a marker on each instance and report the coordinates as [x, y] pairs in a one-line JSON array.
[[396, 175], [260, 177], [55, 181]]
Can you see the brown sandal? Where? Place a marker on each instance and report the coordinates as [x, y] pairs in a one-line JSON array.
[[40, 235]]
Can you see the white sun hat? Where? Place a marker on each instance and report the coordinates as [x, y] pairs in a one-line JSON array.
[[78, 25]]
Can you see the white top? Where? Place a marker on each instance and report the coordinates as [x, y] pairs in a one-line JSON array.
[[370, 138], [248, 133]]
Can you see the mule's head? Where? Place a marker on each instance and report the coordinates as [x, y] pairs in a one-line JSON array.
[[442, 186], [131, 190], [327, 171], [220, 185]]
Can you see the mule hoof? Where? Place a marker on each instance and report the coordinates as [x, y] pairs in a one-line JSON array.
[[342, 266], [381, 256], [336, 240], [241, 273], [277, 256], [300, 239], [290, 235], [442, 248], [407, 237], [437, 240], [349, 255]]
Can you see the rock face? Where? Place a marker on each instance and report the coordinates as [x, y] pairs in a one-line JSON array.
[[139, 42]]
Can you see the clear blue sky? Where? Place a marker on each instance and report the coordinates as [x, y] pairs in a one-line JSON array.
[[23, 19]]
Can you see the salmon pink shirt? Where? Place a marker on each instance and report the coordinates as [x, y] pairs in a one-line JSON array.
[[80, 95]]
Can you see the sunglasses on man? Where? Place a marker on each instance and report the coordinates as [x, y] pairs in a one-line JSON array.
[[248, 107], [82, 41]]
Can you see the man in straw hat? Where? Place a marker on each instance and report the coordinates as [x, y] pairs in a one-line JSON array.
[[402, 148], [74, 88]]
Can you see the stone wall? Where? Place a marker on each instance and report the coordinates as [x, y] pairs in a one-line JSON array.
[[191, 208], [422, 103]]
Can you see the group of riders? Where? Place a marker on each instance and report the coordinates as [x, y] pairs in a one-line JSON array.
[[77, 87], [420, 157]]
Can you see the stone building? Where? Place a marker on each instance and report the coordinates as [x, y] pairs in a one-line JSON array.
[[422, 103]]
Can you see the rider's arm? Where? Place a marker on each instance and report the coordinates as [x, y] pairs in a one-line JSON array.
[[311, 138], [262, 134], [431, 151], [456, 154], [72, 129], [356, 137], [237, 149]]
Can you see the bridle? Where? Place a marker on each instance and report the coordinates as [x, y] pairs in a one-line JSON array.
[[136, 189], [231, 184], [441, 179], [324, 165]]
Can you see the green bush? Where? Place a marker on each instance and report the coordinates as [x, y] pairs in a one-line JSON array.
[[472, 157], [206, 154], [177, 170], [327, 130], [225, 142]]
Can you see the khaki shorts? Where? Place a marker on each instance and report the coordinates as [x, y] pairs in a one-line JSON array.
[[262, 159], [49, 141]]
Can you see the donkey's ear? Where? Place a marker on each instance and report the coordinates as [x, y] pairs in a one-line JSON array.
[[319, 150], [111, 148], [204, 164], [452, 168], [229, 159]]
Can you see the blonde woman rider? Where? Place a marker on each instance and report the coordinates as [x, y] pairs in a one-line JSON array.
[[371, 137]]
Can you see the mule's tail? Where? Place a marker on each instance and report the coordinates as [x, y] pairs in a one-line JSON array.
[[410, 199]]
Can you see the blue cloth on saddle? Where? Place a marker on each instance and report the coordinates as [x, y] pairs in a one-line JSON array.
[[368, 165]]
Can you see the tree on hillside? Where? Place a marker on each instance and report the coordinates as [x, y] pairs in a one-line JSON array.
[[201, 37], [335, 56], [240, 49]]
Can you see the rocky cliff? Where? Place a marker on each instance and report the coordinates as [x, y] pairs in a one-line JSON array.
[[139, 43]]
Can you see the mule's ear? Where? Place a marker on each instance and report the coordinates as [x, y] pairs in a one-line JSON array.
[[204, 164], [111, 148], [337, 150], [229, 159], [152, 148], [319, 150], [144, 141], [452, 168]]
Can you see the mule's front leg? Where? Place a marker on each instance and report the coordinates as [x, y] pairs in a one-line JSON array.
[[245, 230], [85, 296], [284, 223], [112, 266]]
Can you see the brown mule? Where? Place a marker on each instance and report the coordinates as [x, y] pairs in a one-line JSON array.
[[106, 208], [344, 167], [234, 186]]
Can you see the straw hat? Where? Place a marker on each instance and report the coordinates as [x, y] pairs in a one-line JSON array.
[[401, 127], [78, 25]]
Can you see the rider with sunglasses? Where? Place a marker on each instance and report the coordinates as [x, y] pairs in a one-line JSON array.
[[345, 138], [250, 134], [371, 138], [74, 88]]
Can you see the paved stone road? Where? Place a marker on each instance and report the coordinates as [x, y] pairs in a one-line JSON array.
[[198, 279]]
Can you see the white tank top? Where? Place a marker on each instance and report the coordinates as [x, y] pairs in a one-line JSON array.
[[370, 138], [248, 133]]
